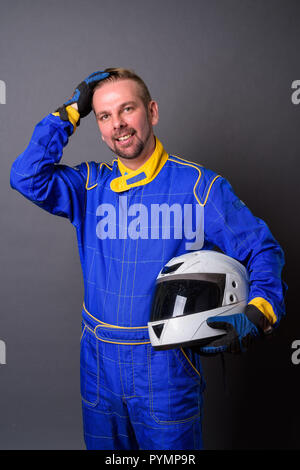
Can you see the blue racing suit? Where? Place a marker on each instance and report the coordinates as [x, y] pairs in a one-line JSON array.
[[129, 224]]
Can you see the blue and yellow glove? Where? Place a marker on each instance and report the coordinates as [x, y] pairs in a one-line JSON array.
[[241, 329], [82, 96]]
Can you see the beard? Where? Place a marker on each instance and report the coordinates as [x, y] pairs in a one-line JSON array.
[[134, 150]]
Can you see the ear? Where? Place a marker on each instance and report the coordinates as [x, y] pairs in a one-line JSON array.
[[153, 112]]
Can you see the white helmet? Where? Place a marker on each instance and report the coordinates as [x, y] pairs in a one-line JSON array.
[[191, 288]]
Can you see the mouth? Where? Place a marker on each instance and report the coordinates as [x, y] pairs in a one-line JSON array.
[[125, 137]]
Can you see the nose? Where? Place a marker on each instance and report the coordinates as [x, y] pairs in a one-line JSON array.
[[118, 122]]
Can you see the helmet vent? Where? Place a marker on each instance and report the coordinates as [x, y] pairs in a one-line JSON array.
[[158, 329], [170, 269]]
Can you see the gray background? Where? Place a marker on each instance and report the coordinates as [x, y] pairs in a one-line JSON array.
[[222, 73]]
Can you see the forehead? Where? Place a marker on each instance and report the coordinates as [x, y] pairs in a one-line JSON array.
[[114, 93]]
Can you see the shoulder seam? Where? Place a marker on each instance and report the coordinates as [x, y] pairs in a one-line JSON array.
[[195, 165], [183, 160], [209, 184]]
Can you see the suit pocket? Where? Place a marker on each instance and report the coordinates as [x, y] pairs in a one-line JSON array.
[[89, 368], [175, 387]]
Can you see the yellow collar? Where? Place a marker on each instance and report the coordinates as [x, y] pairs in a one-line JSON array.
[[143, 175]]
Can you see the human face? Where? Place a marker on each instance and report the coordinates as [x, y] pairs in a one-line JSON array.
[[124, 121]]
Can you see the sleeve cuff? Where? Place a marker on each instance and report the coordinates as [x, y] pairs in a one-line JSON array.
[[73, 115], [265, 307]]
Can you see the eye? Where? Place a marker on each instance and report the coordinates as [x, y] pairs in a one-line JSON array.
[[128, 108], [104, 117]]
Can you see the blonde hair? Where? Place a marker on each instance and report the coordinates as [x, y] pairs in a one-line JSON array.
[[119, 73]]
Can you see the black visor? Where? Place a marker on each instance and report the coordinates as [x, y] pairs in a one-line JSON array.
[[184, 296]]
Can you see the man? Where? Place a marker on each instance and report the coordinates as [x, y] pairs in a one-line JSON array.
[[134, 397]]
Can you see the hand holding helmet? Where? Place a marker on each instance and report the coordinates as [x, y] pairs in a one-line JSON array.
[[241, 329]]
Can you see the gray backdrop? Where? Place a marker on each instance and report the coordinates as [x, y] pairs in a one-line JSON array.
[[222, 73]]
